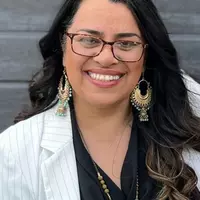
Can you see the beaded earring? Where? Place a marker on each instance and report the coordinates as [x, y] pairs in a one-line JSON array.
[[64, 94], [141, 100]]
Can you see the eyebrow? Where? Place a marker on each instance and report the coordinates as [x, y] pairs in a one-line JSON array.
[[117, 36]]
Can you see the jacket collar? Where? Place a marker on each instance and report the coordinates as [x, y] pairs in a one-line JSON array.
[[58, 160], [57, 130]]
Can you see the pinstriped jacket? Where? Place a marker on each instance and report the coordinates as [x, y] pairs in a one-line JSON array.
[[37, 159]]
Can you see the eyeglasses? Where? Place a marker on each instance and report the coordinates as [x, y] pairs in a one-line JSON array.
[[90, 46]]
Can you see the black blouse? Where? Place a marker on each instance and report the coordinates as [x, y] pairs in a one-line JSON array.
[[90, 187]]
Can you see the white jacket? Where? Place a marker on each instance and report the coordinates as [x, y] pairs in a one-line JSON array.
[[37, 159]]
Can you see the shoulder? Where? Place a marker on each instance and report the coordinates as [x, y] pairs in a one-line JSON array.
[[19, 151], [193, 93], [22, 134], [192, 158], [26, 136], [191, 84]]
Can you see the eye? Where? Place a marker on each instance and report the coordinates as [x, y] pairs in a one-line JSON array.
[[88, 41], [127, 45]]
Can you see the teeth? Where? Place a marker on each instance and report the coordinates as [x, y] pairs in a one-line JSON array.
[[102, 77]]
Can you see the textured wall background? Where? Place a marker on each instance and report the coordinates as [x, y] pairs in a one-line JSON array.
[[24, 22]]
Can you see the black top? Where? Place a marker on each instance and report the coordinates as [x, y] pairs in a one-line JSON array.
[[90, 187]]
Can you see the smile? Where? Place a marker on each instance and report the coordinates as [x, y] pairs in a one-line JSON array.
[[104, 77]]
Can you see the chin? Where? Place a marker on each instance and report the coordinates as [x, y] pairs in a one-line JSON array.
[[103, 100]]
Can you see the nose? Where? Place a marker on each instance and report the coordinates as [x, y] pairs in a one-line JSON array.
[[106, 57]]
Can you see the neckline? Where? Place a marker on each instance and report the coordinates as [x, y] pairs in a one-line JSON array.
[[130, 157]]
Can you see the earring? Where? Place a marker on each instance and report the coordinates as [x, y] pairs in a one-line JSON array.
[[64, 94], [141, 100]]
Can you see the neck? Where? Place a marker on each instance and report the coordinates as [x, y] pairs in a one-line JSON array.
[[102, 122]]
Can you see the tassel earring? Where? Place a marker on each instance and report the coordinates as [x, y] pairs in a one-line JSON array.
[[64, 94], [141, 100]]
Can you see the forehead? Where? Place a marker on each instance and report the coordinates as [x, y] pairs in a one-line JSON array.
[[105, 16]]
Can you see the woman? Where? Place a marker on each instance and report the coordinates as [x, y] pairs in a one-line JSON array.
[[122, 126]]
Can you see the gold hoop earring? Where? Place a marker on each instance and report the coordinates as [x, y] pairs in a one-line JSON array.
[[141, 100], [64, 94]]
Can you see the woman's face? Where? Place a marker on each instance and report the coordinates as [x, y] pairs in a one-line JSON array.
[[96, 79]]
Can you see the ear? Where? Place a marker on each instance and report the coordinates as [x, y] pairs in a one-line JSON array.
[[64, 60], [144, 68], [63, 42]]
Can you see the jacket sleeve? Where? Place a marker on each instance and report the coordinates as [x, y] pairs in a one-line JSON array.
[[13, 185]]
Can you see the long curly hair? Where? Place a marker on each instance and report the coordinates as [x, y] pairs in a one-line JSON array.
[[173, 125]]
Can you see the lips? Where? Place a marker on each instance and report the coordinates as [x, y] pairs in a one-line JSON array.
[[104, 78], [106, 72]]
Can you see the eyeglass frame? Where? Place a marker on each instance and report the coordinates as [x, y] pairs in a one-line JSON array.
[[72, 35]]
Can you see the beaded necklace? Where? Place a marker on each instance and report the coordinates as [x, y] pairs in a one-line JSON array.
[[100, 177]]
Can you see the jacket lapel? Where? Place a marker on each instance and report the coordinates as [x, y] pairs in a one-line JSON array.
[[58, 162]]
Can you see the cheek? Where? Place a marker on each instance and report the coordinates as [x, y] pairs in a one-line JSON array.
[[73, 65]]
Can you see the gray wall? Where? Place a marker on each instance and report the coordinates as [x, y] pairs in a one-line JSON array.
[[23, 22]]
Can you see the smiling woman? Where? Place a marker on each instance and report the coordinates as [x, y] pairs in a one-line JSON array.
[[112, 115], [107, 56]]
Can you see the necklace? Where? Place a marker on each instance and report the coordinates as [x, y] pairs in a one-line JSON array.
[[100, 177]]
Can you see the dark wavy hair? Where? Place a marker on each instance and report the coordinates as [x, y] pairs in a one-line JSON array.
[[172, 126]]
